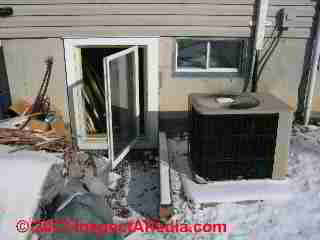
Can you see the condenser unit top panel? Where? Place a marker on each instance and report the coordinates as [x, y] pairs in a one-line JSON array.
[[253, 103]]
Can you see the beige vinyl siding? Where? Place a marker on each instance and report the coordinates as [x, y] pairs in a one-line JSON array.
[[106, 18], [278, 2], [293, 2], [126, 1], [132, 9], [292, 10], [299, 14], [132, 20], [121, 31], [87, 18]]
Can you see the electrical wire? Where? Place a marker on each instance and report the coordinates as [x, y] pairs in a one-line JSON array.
[[267, 56], [255, 59], [272, 44], [270, 38], [262, 62], [249, 79], [263, 58]]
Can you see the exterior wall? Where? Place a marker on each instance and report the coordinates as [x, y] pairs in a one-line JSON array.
[[165, 18], [282, 74], [25, 62], [281, 77], [174, 89], [109, 18], [105, 18]]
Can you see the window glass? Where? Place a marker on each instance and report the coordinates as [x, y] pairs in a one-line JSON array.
[[225, 54], [191, 53]]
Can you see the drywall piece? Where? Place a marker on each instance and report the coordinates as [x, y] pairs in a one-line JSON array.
[[165, 198], [20, 186], [231, 191]]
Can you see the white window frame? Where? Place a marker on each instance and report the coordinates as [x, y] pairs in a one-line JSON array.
[[208, 69]]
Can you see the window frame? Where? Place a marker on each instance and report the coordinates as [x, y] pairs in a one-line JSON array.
[[241, 65]]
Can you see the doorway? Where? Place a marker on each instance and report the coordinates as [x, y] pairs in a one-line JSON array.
[[110, 96]]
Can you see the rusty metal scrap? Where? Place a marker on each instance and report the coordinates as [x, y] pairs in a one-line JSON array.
[[42, 102]]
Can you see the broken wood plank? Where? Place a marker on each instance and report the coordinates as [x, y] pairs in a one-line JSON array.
[[165, 193]]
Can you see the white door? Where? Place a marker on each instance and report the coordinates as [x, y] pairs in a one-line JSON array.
[[121, 75]]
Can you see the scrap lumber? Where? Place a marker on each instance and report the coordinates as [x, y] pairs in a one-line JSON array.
[[164, 170], [165, 194], [44, 141]]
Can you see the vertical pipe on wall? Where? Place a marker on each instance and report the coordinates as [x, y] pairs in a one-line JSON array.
[[262, 11], [261, 24], [312, 76]]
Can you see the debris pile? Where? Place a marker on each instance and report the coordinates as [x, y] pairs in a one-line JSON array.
[[32, 140], [37, 135], [36, 124], [89, 173]]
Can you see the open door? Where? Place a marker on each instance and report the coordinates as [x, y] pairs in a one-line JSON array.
[[121, 75], [78, 100], [104, 109]]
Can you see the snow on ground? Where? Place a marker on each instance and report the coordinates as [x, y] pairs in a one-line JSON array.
[[139, 188], [296, 219], [144, 200]]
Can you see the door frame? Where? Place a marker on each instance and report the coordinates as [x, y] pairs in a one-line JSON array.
[[151, 89]]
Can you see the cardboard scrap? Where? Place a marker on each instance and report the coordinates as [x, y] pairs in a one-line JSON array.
[[38, 125], [21, 107]]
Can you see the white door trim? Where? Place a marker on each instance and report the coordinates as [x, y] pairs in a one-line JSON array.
[[152, 76]]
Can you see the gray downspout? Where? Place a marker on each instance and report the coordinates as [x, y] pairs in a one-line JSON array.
[[312, 76], [262, 11]]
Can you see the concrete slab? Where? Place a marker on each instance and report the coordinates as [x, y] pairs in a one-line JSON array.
[[237, 191], [230, 191]]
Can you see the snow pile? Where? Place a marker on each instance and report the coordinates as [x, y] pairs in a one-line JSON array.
[[21, 180], [296, 219]]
